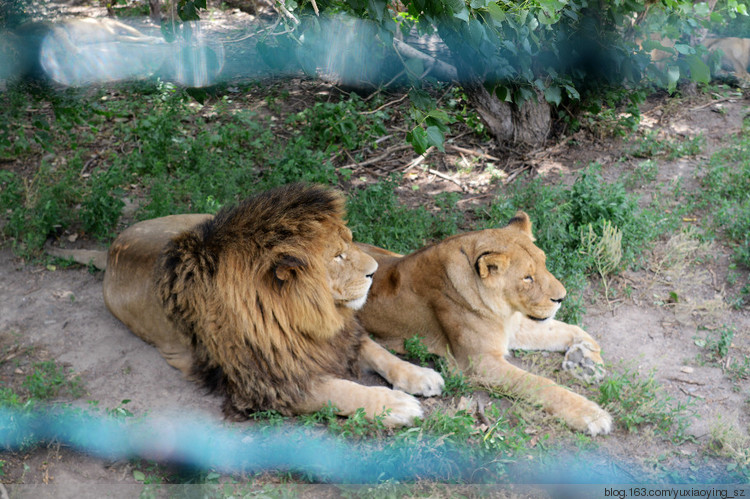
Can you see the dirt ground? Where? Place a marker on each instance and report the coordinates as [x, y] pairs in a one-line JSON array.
[[62, 315]]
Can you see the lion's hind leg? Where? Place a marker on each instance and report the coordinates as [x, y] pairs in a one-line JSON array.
[[398, 408], [402, 375]]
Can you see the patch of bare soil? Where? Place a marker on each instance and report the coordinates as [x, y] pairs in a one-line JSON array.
[[682, 294]]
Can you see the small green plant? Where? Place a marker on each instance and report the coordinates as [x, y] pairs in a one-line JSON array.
[[716, 344], [358, 426], [725, 195], [120, 411], [415, 349], [48, 380], [637, 402], [605, 250], [727, 441], [651, 146], [376, 216]]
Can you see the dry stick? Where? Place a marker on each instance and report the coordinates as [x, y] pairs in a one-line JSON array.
[[709, 104], [417, 161], [315, 7], [286, 12], [387, 152], [447, 177], [385, 105], [478, 154]]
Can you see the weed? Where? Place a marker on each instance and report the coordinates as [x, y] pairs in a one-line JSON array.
[[716, 344], [643, 174], [604, 250], [416, 350], [729, 442], [48, 380], [636, 402], [650, 146], [376, 216], [120, 411], [328, 126], [726, 195], [739, 369], [358, 426]]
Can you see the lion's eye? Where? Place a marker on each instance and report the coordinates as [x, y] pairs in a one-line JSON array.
[[529, 279], [340, 256]]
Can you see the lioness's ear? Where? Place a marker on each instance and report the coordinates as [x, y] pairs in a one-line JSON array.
[[287, 266], [522, 222], [491, 263]]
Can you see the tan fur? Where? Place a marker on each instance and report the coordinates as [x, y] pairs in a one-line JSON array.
[[735, 53], [258, 303], [472, 296]]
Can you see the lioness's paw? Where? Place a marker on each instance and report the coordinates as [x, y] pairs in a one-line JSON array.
[[401, 408], [585, 415], [417, 380], [581, 362], [598, 422]]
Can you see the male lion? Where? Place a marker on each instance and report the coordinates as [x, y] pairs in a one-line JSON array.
[[476, 296], [258, 303]]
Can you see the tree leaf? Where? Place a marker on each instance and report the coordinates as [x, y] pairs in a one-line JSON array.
[[553, 95], [435, 137]]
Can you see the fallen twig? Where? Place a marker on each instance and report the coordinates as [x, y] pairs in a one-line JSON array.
[[385, 105], [446, 177], [385, 154], [417, 161], [472, 152]]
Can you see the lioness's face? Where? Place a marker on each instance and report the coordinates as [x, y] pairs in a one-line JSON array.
[[514, 270], [350, 271]]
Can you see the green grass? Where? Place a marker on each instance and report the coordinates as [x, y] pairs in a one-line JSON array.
[[638, 403], [725, 195], [159, 146]]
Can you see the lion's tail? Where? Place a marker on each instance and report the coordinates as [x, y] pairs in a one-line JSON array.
[[97, 258]]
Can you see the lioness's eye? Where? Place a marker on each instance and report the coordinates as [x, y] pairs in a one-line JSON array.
[[340, 256], [528, 279]]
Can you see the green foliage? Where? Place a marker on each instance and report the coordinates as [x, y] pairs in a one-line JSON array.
[[416, 350], [726, 195], [651, 146], [376, 216], [358, 426], [716, 344], [329, 126], [47, 380], [182, 158], [637, 403]]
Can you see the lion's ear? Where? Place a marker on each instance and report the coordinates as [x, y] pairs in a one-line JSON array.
[[522, 222], [491, 263], [287, 266]]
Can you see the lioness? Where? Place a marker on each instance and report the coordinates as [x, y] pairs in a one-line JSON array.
[[476, 296], [735, 53], [258, 303]]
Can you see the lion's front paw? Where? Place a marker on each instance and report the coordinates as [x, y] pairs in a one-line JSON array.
[[417, 380], [585, 415], [598, 422], [583, 361], [400, 408]]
